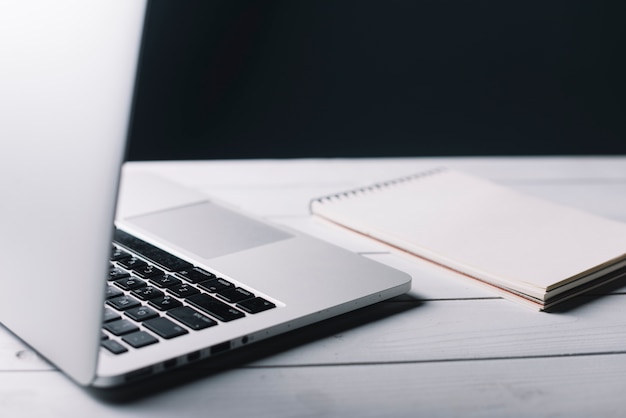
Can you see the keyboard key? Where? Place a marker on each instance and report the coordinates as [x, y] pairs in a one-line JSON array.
[[148, 271], [164, 328], [123, 302], [114, 347], [192, 318], [141, 313], [165, 281], [161, 258], [132, 263], [110, 315], [195, 275], [255, 305], [235, 295], [120, 327], [215, 308], [139, 339], [216, 285], [183, 290], [116, 273], [130, 283], [119, 254], [163, 303], [112, 292], [147, 293]]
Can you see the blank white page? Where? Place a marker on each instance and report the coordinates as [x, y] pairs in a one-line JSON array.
[[480, 228]]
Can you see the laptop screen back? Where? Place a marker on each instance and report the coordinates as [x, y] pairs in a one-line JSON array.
[[66, 84]]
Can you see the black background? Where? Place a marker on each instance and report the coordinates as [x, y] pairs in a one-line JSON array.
[[355, 78]]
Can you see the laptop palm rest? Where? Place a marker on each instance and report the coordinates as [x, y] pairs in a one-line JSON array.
[[207, 230]]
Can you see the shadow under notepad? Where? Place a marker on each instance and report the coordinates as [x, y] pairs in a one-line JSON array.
[[612, 288], [243, 357]]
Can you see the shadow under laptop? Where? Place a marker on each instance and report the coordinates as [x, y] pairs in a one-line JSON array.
[[246, 356]]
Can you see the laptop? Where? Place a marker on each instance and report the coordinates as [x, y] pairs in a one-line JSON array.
[[179, 278]]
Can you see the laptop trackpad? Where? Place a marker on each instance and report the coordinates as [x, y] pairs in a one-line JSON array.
[[207, 230]]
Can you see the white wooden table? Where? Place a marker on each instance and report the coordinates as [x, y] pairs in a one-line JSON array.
[[448, 348]]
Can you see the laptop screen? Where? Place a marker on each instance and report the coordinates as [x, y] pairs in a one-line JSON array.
[[66, 83]]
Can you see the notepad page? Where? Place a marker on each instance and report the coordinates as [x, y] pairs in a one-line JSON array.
[[482, 229]]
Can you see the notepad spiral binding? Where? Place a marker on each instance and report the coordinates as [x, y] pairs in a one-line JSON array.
[[376, 186]]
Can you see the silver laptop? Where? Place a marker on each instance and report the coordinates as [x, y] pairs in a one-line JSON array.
[[186, 279]]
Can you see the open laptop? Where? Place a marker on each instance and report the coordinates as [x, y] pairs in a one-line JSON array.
[[186, 279]]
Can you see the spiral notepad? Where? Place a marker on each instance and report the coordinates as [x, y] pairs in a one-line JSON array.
[[526, 248]]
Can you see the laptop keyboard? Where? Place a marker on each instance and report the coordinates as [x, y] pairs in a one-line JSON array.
[[153, 295]]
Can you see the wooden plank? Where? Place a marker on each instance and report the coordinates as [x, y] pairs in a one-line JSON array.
[[604, 196], [281, 173], [16, 356], [431, 281], [336, 235], [410, 331], [407, 329], [541, 387]]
